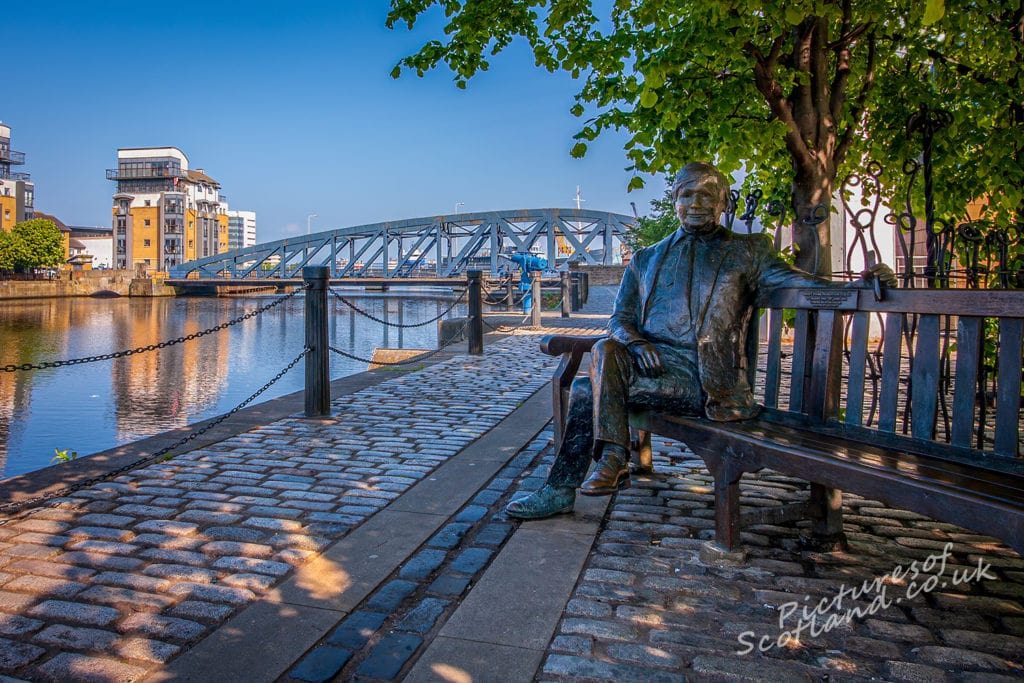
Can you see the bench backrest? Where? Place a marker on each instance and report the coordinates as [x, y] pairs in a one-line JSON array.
[[935, 374]]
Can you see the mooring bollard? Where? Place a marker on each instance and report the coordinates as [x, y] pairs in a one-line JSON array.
[[318, 363], [586, 288], [475, 333], [509, 294], [535, 292], [564, 282], [577, 304]]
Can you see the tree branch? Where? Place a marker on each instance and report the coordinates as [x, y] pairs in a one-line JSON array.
[[775, 98], [857, 108]]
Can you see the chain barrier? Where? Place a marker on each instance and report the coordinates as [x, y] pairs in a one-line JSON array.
[[374, 318], [418, 359], [151, 347], [556, 306], [508, 328], [18, 505]]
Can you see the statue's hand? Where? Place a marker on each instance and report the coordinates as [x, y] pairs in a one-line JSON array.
[[647, 359], [882, 273]]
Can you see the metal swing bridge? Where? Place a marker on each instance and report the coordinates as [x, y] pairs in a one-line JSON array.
[[424, 249]]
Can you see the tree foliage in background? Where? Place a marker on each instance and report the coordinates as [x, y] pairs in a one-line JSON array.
[[800, 92], [659, 224], [35, 243]]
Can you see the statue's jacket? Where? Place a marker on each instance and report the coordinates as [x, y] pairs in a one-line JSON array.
[[735, 275]]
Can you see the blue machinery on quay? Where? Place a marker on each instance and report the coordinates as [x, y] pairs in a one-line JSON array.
[[424, 248]]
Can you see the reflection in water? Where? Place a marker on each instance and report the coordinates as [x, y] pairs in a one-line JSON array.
[[95, 406]]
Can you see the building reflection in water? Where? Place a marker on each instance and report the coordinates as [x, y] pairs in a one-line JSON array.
[[95, 406]]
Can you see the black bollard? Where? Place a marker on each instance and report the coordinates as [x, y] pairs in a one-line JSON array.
[[318, 364], [537, 303], [586, 287], [576, 303], [564, 277], [475, 333], [510, 301]]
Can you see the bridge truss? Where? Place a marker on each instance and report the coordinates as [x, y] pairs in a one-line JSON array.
[[439, 246]]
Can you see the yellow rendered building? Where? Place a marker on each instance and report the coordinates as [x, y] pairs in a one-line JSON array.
[[17, 193], [164, 213]]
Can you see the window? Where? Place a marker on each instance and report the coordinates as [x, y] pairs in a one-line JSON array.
[[145, 243], [148, 203], [146, 222]]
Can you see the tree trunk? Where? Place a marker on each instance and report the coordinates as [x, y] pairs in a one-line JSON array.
[[812, 234]]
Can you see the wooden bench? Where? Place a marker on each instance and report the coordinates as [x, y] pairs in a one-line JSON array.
[[878, 418]]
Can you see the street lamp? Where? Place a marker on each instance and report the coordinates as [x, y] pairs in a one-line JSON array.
[[310, 217], [457, 205]]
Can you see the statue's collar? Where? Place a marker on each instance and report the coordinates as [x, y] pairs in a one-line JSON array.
[[682, 233]]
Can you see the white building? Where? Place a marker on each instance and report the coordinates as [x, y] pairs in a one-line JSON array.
[[241, 229]]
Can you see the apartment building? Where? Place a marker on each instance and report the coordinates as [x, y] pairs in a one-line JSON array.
[[17, 193], [241, 229], [164, 212]]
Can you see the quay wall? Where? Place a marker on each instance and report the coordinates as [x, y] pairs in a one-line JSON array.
[[84, 283], [601, 276]]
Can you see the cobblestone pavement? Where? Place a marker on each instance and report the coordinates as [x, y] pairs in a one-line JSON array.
[[118, 578], [646, 608]]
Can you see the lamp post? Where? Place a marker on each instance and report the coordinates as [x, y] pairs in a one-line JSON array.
[[310, 217], [457, 205]]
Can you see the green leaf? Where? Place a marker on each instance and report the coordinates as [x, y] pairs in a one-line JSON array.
[[794, 16], [648, 98], [578, 150], [933, 11], [635, 183]]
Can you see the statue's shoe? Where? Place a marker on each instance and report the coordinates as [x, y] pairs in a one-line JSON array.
[[544, 503], [610, 475]]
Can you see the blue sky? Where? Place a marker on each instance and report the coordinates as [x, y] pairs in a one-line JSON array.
[[290, 106]]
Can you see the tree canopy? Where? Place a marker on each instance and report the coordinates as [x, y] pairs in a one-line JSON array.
[[35, 243], [799, 92]]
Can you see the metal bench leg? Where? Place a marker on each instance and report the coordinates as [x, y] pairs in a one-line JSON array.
[[827, 530]]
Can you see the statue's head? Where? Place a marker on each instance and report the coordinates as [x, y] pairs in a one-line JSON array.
[[700, 194]]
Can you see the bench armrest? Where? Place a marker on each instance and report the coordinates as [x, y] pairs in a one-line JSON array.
[[571, 349], [557, 344]]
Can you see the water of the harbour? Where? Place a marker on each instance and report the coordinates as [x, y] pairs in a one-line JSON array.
[[94, 406]]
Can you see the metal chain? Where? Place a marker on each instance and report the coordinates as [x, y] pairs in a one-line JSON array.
[[418, 359], [18, 505], [558, 304], [391, 324], [508, 328], [151, 347]]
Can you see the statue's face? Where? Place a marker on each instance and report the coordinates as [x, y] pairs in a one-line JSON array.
[[699, 203]]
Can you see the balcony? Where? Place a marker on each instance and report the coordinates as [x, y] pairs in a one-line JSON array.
[[7, 174], [12, 157], [143, 173]]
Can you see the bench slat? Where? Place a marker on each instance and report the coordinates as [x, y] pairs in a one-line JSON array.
[[968, 352], [891, 349], [773, 367], [821, 379], [858, 368], [1011, 336], [925, 378], [799, 368]]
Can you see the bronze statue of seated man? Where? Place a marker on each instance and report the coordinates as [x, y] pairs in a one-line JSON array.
[[675, 342]]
